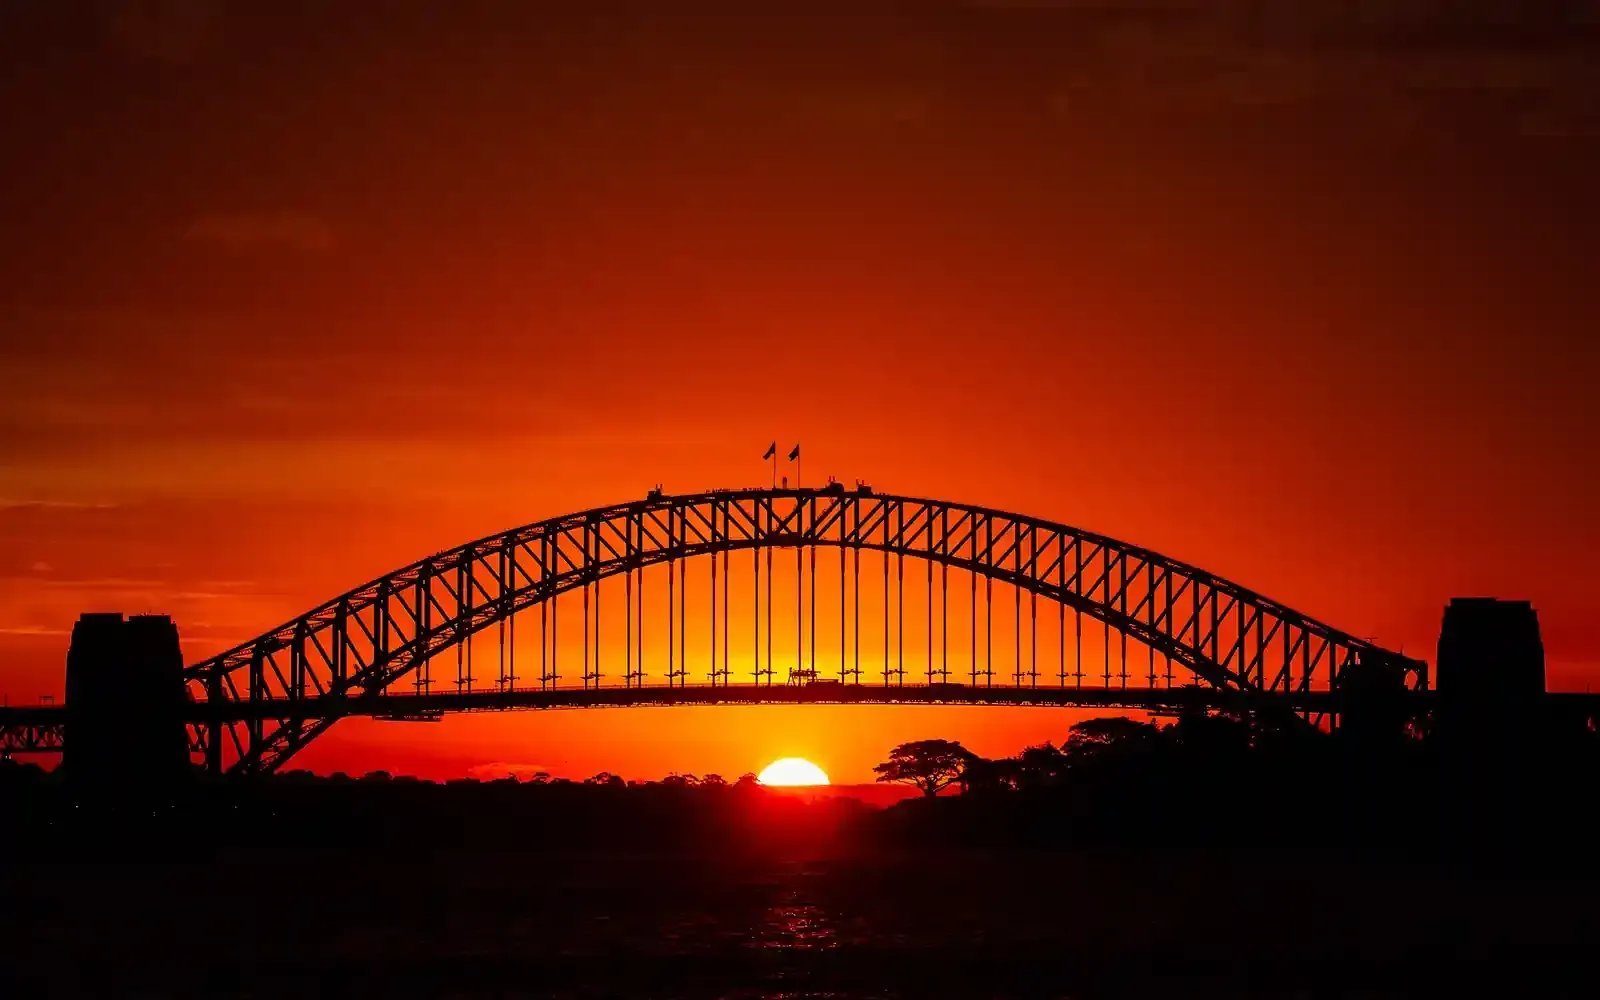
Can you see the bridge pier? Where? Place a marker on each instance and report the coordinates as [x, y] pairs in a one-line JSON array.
[[125, 727], [1490, 714]]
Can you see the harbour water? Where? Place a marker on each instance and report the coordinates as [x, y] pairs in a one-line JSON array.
[[401, 920]]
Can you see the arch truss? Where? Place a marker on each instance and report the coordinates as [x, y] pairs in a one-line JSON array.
[[259, 703]]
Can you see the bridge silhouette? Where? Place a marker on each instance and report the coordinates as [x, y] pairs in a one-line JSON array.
[[410, 645]]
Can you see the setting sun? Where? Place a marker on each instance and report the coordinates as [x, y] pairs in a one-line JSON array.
[[793, 771]]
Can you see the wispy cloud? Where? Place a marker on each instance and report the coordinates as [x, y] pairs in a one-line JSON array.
[[272, 231], [169, 31], [107, 583], [32, 630], [7, 503], [1499, 64]]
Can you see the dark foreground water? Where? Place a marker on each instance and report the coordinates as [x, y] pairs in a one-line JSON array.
[[404, 921]]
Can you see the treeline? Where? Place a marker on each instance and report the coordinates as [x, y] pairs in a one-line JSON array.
[[395, 814], [1202, 780], [1218, 780]]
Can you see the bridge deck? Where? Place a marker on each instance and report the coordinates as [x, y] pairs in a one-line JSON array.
[[817, 693], [41, 728], [1144, 699]]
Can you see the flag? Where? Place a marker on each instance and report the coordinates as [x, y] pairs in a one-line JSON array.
[[795, 453], [772, 449]]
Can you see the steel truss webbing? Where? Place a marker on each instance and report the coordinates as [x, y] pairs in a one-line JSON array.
[[399, 625]]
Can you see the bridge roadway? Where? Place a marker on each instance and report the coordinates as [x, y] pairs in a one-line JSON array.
[[42, 728], [817, 693]]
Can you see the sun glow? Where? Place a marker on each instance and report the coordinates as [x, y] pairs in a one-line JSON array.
[[792, 771]]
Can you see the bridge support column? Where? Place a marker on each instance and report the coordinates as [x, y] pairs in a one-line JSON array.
[[1489, 712], [125, 704]]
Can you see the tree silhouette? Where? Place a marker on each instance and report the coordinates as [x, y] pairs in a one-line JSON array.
[[1041, 766], [930, 765], [980, 774], [1208, 735], [1111, 738]]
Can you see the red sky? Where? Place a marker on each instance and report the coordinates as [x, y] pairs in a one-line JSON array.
[[292, 296]]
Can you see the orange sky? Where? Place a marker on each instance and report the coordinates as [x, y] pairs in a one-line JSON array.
[[289, 300]]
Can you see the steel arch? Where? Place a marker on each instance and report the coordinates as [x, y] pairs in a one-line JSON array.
[[355, 646]]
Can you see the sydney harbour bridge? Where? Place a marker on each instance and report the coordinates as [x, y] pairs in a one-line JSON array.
[[712, 598]]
